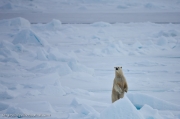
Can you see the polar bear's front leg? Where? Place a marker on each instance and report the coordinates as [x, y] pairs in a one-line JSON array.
[[117, 88]]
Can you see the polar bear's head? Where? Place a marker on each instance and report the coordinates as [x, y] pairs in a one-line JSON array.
[[118, 70]]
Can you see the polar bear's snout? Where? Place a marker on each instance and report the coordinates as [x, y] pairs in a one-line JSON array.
[[117, 68]]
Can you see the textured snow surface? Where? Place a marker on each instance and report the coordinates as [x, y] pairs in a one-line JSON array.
[[139, 100], [66, 71], [121, 109], [27, 37], [15, 22]]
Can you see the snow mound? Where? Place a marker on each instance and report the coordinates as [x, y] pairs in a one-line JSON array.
[[82, 111], [41, 106], [3, 106], [150, 113], [15, 22], [53, 25], [27, 36], [139, 100], [121, 109], [101, 24]]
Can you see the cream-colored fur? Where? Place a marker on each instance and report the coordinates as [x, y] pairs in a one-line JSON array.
[[120, 85]]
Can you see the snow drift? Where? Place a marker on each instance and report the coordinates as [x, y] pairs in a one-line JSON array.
[[149, 113], [53, 25], [27, 36], [15, 22], [121, 109], [139, 100]]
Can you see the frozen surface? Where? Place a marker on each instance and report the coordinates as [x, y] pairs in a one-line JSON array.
[[150, 113], [27, 37], [139, 100], [85, 11], [121, 109], [66, 70], [83, 6]]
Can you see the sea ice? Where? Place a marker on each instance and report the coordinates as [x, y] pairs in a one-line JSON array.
[[82, 111], [150, 113], [139, 100], [27, 36], [53, 25], [101, 24], [121, 109], [15, 22]]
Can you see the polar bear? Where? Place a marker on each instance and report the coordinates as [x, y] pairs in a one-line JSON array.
[[120, 85]]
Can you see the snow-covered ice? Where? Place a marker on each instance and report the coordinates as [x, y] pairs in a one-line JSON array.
[[27, 36], [85, 11], [139, 100], [85, 6], [66, 71], [121, 109]]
